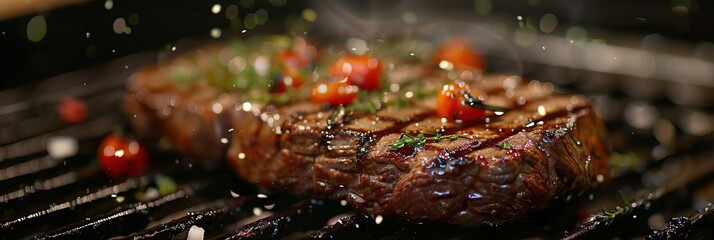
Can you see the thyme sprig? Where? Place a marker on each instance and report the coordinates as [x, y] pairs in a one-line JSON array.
[[609, 216], [420, 140]]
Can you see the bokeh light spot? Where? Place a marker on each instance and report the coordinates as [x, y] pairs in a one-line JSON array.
[[261, 16], [36, 28], [409, 17], [309, 15], [525, 37], [483, 7], [249, 21], [216, 8], [216, 32], [576, 33], [232, 12], [119, 25], [133, 19], [548, 23]]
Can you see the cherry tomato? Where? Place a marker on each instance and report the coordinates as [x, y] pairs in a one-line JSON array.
[[290, 59], [286, 79], [288, 76], [72, 110], [121, 157], [451, 103], [335, 93], [458, 52], [362, 71]]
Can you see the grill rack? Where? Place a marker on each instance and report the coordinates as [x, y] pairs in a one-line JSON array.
[[45, 198]]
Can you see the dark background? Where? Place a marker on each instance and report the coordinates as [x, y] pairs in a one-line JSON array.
[[163, 22]]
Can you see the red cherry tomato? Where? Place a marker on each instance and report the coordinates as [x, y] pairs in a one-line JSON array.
[[286, 79], [458, 51], [72, 110], [121, 157], [335, 93], [362, 71], [450, 103], [290, 59]]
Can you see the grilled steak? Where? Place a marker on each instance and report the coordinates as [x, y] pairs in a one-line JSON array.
[[492, 170], [547, 146], [185, 100], [186, 114]]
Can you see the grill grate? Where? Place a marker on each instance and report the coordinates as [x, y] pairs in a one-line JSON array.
[[47, 198]]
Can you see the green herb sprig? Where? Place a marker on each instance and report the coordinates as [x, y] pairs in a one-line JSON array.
[[506, 145], [420, 140], [609, 216]]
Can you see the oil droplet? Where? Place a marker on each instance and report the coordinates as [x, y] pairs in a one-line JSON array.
[[541, 110], [108, 5], [378, 219], [234, 194]]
